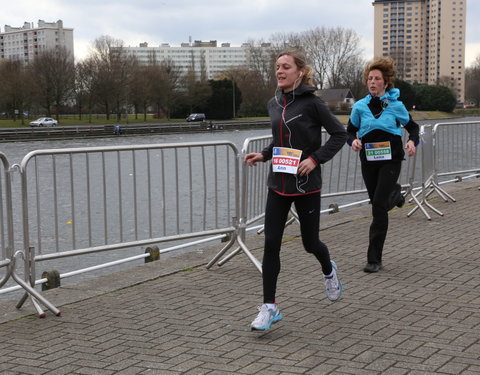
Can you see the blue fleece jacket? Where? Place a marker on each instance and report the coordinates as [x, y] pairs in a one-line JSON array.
[[394, 112]]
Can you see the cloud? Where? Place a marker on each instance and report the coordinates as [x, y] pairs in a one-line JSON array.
[[175, 21], [472, 51]]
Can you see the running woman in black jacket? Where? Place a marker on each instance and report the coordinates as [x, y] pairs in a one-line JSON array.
[[297, 117]]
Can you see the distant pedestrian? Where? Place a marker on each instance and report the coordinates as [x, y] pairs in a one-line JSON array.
[[297, 116], [375, 129], [117, 130]]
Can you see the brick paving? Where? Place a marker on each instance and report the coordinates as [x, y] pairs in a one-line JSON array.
[[420, 315]]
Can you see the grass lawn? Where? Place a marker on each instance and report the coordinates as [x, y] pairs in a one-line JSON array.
[[71, 120]]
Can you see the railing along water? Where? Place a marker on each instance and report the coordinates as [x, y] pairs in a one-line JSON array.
[[6, 231], [342, 180], [79, 201], [456, 149], [451, 149], [109, 198]]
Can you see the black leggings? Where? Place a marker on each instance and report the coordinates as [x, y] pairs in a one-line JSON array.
[[380, 181], [276, 214]]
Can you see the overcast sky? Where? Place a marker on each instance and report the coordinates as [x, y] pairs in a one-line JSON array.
[[233, 21]]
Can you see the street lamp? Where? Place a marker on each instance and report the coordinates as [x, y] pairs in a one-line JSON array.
[[233, 96]]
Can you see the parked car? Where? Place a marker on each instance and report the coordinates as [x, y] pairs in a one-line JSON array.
[[196, 117], [44, 121]]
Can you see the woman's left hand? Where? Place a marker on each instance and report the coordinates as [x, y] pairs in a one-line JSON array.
[[305, 167], [410, 147]]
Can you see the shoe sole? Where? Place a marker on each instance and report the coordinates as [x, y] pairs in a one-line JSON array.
[[267, 326], [334, 265]]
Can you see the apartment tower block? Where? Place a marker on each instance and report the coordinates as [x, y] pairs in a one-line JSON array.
[[25, 42], [426, 38]]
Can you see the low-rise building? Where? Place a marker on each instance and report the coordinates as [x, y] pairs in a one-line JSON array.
[[337, 99]]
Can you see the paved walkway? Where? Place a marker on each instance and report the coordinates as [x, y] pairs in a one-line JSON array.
[[420, 315]]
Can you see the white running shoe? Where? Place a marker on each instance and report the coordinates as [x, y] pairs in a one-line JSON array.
[[333, 286], [265, 318]]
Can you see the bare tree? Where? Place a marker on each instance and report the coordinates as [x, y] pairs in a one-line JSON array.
[[164, 84], [352, 77], [343, 49], [472, 85], [196, 88], [84, 87], [138, 88], [317, 48], [53, 75], [14, 90], [111, 67], [261, 59], [330, 51], [171, 79]]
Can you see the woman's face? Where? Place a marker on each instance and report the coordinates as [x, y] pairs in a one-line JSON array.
[[375, 83], [287, 73]]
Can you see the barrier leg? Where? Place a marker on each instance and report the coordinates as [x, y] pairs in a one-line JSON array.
[[254, 260], [30, 291], [229, 256], [223, 251], [442, 192], [419, 204], [38, 296], [22, 300], [242, 247]]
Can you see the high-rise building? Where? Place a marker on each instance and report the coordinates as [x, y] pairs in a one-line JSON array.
[[25, 42], [426, 38]]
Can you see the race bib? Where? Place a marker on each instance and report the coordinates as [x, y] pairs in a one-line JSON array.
[[286, 160], [378, 151]]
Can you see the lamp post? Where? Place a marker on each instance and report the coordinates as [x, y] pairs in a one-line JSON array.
[[233, 96]]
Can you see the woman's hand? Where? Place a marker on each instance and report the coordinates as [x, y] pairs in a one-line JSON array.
[[410, 147], [253, 158], [357, 145], [305, 167]]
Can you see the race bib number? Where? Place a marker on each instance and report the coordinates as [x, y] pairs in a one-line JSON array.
[[378, 151], [286, 160]]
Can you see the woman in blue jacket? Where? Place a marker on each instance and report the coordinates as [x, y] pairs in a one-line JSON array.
[[297, 116], [375, 129]]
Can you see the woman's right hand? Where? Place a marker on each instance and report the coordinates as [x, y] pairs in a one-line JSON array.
[[357, 145], [253, 158]]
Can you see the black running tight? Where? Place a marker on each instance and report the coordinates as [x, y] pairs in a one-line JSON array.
[[276, 213], [380, 180]]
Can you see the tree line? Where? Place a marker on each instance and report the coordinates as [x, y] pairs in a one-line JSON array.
[[472, 83], [111, 82]]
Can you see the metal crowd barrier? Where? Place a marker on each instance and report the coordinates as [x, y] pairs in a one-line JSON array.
[[9, 256], [342, 180], [78, 201], [5, 221], [450, 149]]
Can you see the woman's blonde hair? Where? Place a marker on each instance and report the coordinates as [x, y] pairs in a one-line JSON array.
[[386, 66], [301, 63]]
